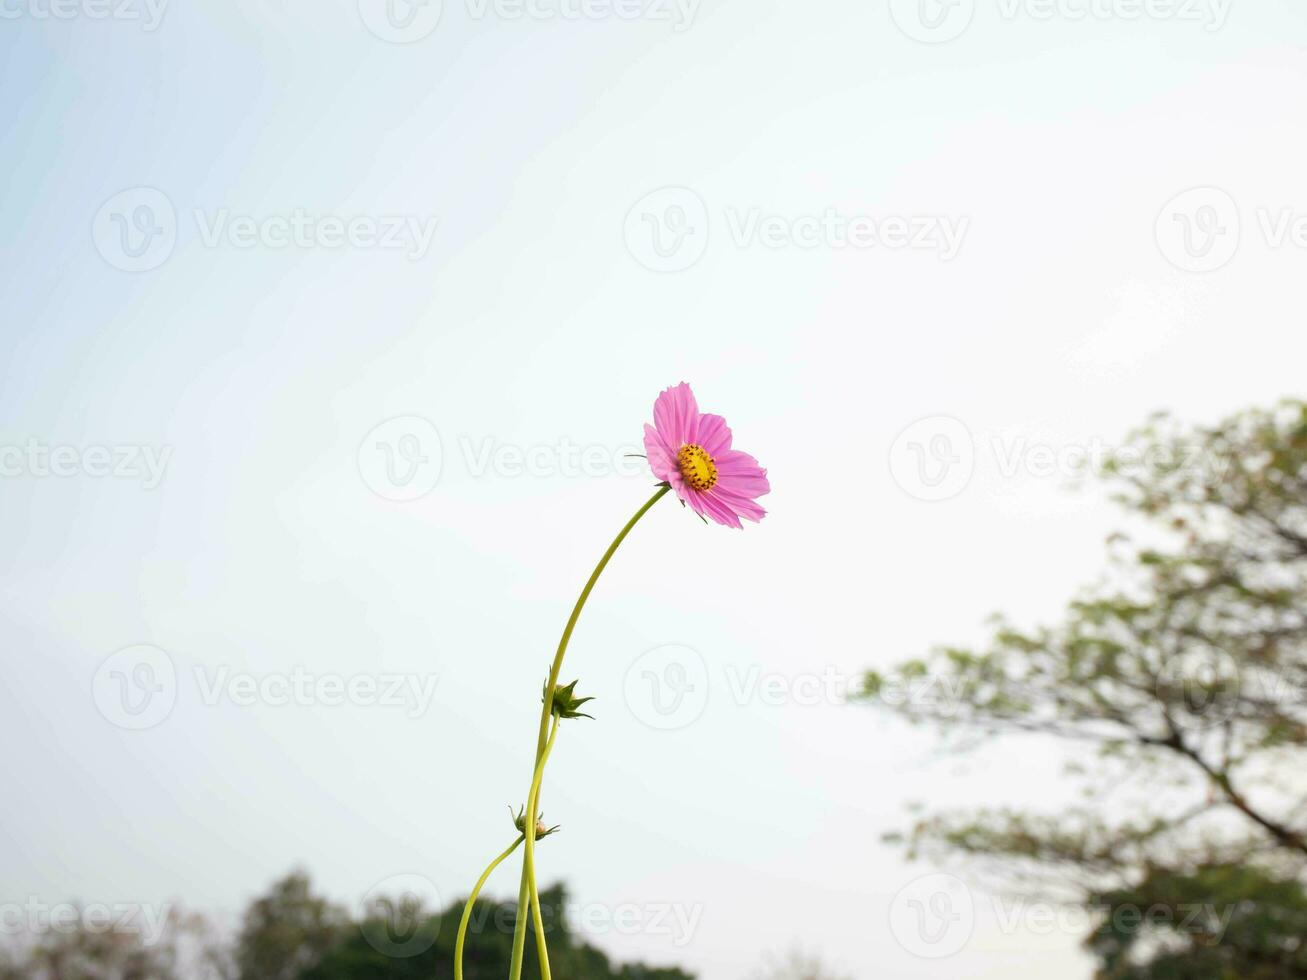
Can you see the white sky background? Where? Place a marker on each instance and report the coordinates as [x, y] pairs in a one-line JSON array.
[[531, 323]]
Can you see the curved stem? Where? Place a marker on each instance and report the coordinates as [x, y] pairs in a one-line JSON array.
[[467, 909], [519, 935], [532, 806]]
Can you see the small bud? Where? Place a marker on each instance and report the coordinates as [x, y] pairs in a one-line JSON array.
[[566, 702], [519, 821]]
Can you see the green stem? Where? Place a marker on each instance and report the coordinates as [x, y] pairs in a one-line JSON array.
[[519, 935], [467, 909], [519, 926], [532, 805]]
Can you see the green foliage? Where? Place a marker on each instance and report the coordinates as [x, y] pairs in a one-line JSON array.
[[292, 933], [287, 931], [1249, 926], [407, 943], [1188, 676]]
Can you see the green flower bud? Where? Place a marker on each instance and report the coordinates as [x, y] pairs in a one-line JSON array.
[[566, 702], [519, 821]]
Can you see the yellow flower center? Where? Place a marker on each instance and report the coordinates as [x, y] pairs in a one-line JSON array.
[[697, 467]]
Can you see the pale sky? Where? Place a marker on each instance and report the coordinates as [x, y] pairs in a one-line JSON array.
[[241, 240]]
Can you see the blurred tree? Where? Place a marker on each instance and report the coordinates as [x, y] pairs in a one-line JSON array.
[[797, 965], [287, 931], [86, 947], [401, 941], [1188, 674], [292, 934]]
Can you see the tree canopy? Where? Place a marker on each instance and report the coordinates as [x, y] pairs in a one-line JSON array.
[[1184, 672]]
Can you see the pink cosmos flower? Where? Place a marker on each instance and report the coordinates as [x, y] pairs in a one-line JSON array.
[[692, 451]]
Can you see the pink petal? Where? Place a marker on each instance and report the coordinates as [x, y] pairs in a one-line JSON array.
[[662, 460], [719, 510], [676, 416], [696, 500], [741, 504], [741, 473], [714, 435]]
